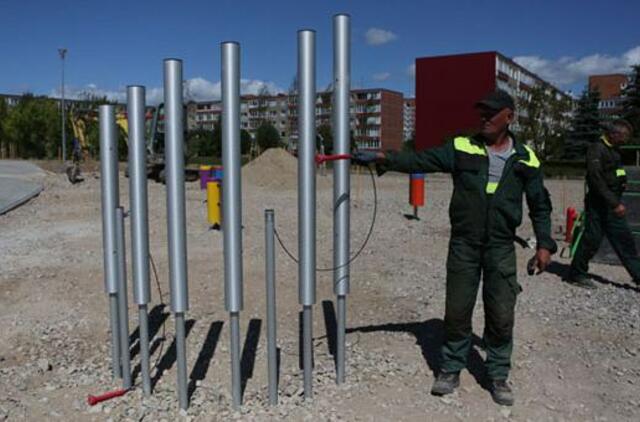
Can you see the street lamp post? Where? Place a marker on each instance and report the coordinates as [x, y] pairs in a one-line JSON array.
[[63, 52]]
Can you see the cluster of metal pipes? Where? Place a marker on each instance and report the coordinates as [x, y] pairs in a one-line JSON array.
[[113, 214]]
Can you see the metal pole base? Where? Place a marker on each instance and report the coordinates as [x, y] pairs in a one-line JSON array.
[[144, 349], [341, 331], [115, 336], [236, 382], [307, 351], [181, 360]]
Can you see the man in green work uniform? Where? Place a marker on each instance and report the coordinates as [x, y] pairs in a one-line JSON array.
[[491, 171], [604, 210]]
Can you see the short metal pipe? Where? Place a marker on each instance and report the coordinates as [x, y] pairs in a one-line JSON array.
[[110, 194], [123, 307], [270, 271], [116, 369], [236, 381], [181, 361], [307, 351]]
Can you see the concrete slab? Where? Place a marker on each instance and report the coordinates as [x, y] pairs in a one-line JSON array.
[[19, 182]]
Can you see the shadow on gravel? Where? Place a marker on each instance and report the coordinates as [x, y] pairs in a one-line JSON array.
[[248, 359], [562, 271], [429, 336], [169, 357], [330, 324], [157, 317], [207, 351]]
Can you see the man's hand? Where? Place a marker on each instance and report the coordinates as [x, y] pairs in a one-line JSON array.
[[364, 158], [541, 260], [620, 210]]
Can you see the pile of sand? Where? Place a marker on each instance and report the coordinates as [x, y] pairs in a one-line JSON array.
[[274, 168]]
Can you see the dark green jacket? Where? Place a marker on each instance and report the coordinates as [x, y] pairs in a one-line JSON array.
[[479, 212], [606, 178]]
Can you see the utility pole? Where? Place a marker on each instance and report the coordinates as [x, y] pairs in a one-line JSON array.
[[63, 53]]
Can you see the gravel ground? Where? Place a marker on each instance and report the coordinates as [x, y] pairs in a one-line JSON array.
[[577, 353]]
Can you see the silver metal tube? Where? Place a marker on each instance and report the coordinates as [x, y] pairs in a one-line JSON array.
[[145, 371], [341, 331], [123, 308], [174, 150], [138, 194], [116, 369], [110, 194], [341, 126], [307, 351], [307, 166], [341, 177], [270, 271], [231, 183], [181, 360], [307, 194], [236, 381]]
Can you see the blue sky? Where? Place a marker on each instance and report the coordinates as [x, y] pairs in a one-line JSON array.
[[113, 43]]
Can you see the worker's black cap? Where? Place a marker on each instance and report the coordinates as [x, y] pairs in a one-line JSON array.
[[497, 100]]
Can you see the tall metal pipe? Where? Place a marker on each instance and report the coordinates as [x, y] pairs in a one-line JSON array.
[[270, 272], [110, 194], [139, 220], [123, 307], [232, 203], [176, 222], [307, 191], [341, 182]]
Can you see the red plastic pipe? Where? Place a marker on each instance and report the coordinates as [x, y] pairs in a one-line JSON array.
[[321, 158], [93, 400]]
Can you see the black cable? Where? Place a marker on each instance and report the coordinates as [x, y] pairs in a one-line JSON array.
[[364, 243], [163, 337]]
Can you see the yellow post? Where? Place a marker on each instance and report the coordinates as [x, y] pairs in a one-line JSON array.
[[213, 204]]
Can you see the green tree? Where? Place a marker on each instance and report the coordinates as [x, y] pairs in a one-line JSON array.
[[631, 100], [4, 112], [200, 141], [409, 144], [543, 124], [585, 126], [245, 142], [267, 136], [34, 126]]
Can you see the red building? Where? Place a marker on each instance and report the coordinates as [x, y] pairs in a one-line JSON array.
[[447, 87], [610, 88]]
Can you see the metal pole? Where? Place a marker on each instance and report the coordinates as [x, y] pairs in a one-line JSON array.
[[63, 53], [341, 170], [231, 204], [139, 221], [123, 308], [110, 193], [116, 369], [307, 192], [270, 271], [176, 222]]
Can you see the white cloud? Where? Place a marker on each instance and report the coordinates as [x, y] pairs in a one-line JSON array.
[[377, 36], [411, 70], [570, 70], [382, 76], [196, 89]]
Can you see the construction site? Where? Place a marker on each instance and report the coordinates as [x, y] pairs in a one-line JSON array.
[[323, 255]]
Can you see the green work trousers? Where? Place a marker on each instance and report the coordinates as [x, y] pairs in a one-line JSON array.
[[466, 264], [599, 221]]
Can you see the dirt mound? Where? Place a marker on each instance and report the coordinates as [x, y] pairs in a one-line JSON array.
[[274, 168]]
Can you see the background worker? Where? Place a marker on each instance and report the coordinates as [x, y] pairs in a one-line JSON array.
[[491, 173], [604, 210]]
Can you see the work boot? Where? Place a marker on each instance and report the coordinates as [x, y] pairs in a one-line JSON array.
[[445, 383], [501, 393], [581, 281]]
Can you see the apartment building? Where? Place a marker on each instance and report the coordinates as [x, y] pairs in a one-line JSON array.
[[409, 116], [610, 88]]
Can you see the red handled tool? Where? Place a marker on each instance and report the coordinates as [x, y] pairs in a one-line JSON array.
[[321, 158], [93, 400]]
